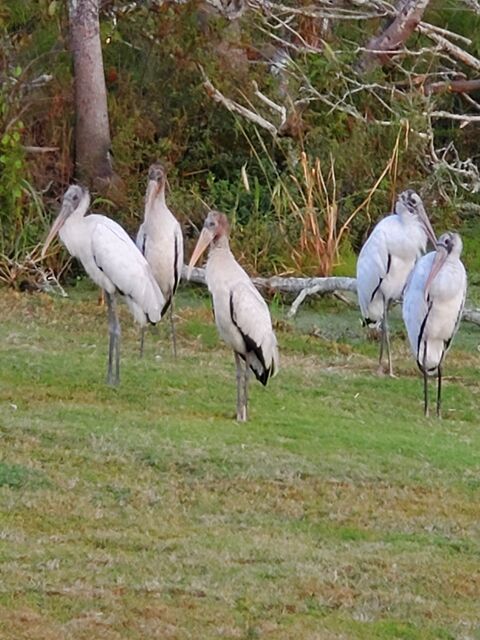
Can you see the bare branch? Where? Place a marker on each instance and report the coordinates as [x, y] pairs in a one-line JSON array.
[[379, 10], [30, 149], [452, 49], [426, 27], [452, 86], [453, 116], [237, 108], [273, 105]]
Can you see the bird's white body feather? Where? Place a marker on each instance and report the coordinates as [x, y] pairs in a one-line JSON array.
[[160, 240], [386, 260], [111, 259], [241, 314], [436, 318]]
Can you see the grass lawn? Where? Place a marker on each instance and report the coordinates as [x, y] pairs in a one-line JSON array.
[[147, 512]]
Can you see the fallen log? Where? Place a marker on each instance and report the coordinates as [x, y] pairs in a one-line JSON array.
[[289, 285], [304, 287]]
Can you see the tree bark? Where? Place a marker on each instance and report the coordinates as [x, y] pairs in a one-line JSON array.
[[92, 129], [381, 47]]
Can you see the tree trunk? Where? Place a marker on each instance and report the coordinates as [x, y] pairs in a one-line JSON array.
[[92, 130]]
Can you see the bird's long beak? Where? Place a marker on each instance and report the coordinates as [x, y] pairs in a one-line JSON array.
[[56, 226], [428, 227], [153, 188], [438, 262], [204, 240]]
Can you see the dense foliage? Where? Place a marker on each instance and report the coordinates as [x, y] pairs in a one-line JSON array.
[[301, 201]]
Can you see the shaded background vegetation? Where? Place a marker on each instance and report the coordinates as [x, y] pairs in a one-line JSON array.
[[287, 196]]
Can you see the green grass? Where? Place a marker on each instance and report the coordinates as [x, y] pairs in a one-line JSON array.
[[337, 512]]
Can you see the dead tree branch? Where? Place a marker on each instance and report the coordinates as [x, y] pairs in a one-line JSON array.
[[305, 287], [452, 86], [450, 48], [238, 108], [409, 14], [453, 116]]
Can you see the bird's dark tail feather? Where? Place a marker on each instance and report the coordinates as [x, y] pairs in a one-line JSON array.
[[368, 322]]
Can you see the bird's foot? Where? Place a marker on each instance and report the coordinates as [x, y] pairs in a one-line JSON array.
[[242, 415], [380, 371]]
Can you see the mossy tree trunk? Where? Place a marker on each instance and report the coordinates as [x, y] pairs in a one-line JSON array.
[[92, 130]]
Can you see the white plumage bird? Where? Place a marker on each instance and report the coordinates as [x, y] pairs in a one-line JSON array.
[[241, 314], [111, 259], [386, 260], [432, 307], [160, 240]]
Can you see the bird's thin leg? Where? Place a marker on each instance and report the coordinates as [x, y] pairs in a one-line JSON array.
[[113, 376], [439, 391], [385, 342], [245, 391], [425, 382], [142, 340], [382, 343], [387, 339], [174, 335], [240, 389]]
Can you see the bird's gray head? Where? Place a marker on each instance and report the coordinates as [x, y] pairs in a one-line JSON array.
[[75, 199], [408, 202], [157, 178], [74, 196], [451, 243], [215, 228], [408, 205], [157, 173], [217, 223]]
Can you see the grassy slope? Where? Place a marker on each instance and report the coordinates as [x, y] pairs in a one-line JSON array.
[[338, 511]]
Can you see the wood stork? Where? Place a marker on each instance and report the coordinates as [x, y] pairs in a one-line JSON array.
[[112, 261], [387, 258], [160, 240], [432, 308], [241, 314]]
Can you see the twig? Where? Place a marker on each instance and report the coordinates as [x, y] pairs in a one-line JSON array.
[[453, 116], [30, 149]]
